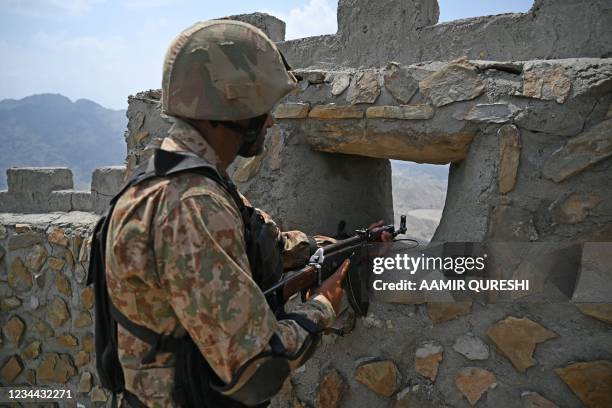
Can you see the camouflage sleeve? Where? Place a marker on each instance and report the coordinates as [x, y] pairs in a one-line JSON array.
[[296, 247], [202, 263]]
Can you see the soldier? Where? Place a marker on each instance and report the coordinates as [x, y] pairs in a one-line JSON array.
[[186, 255]]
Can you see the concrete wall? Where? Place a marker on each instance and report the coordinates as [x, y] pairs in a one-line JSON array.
[[50, 189], [372, 33]]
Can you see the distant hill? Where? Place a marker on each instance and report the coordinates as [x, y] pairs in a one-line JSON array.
[[51, 130], [419, 192]]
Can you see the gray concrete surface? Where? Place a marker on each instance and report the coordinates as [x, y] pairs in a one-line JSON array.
[[371, 33]]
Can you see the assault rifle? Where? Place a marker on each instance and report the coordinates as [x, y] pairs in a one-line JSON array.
[[324, 262]]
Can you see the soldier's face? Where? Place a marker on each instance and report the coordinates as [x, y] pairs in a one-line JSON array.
[[258, 146]]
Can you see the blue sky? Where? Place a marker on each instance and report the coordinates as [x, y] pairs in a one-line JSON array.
[[105, 50]]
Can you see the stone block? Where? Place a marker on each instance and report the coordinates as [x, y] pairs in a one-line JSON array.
[[19, 278], [87, 297], [10, 303], [247, 168], [88, 343], [580, 152], [108, 180], [313, 76], [403, 112], [332, 111], [399, 82], [68, 340], [83, 319], [509, 142], [10, 370], [545, 81], [82, 358], [31, 351], [458, 81], [364, 88], [85, 382], [339, 82], [57, 236], [590, 381], [41, 180], [440, 312], [534, 400], [70, 200], [291, 111], [473, 382], [63, 285], [98, 394], [272, 26], [509, 223], [57, 312], [331, 390], [105, 183], [60, 200], [517, 338], [13, 330], [24, 240], [427, 359], [56, 368], [597, 311], [471, 347], [575, 208], [36, 258], [490, 113], [7, 202], [382, 377]]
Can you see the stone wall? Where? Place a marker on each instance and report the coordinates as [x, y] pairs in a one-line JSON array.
[[46, 310], [287, 176], [529, 147], [51, 189], [529, 143]]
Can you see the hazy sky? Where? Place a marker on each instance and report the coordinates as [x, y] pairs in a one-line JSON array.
[[105, 50]]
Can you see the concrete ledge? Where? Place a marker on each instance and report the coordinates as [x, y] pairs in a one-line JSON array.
[[38, 179], [50, 189], [105, 183], [272, 26], [108, 180]]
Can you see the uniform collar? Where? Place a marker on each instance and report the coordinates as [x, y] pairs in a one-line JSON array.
[[182, 137]]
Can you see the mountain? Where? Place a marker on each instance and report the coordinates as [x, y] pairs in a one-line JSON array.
[[419, 192], [51, 130]]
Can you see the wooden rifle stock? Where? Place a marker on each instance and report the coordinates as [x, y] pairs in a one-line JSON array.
[[334, 254], [303, 279]]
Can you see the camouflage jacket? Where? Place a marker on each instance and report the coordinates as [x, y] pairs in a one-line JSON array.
[[176, 261]]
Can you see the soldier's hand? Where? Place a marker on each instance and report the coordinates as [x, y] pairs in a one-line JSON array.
[[385, 236], [331, 287], [385, 240]]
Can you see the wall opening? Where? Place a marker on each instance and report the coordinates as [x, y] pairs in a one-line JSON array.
[[419, 192]]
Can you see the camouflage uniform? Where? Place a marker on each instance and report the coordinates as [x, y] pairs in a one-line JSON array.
[[176, 261]]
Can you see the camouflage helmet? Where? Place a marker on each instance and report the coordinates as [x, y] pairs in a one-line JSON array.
[[223, 70]]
